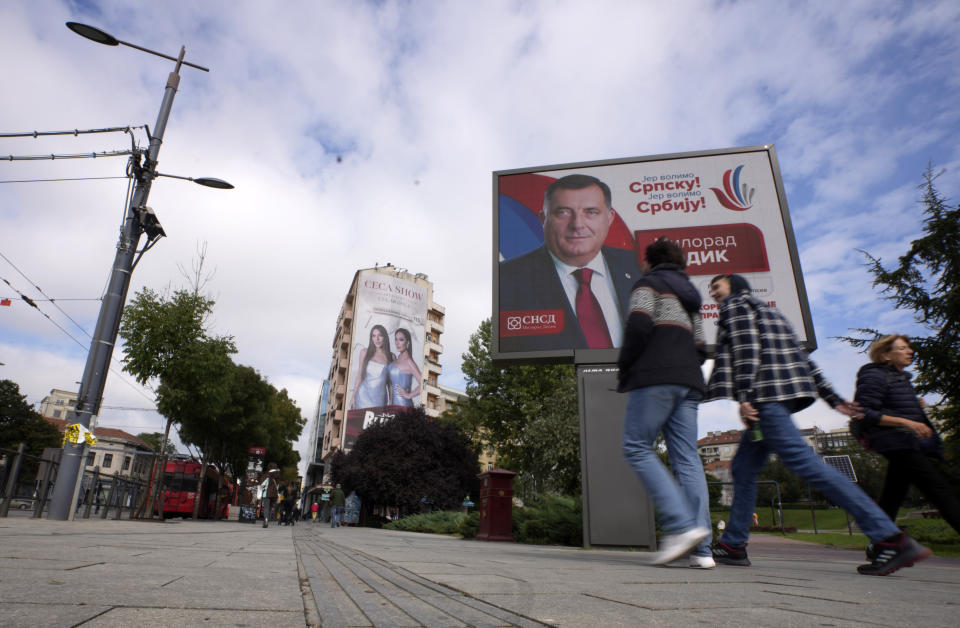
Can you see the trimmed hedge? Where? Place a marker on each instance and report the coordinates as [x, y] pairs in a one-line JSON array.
[[549, 520]]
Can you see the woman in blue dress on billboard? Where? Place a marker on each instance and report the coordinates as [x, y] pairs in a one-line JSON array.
[[372, 382], [404, 371]]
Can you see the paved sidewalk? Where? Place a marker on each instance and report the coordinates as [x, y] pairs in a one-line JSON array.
[[126, 573], [120, 573]]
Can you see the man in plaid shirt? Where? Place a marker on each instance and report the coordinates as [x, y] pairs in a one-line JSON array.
[[761, 364]]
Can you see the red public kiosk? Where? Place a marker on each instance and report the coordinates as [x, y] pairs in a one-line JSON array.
[[496, 505]]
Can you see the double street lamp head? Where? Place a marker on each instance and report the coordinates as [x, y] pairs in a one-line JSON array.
[[207, 182], [93, 34], [211, 182]]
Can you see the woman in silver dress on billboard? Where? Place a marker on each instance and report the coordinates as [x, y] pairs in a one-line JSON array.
[[372, 380], [403, 371]]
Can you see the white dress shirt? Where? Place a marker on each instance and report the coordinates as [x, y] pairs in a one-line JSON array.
[[601, 284]]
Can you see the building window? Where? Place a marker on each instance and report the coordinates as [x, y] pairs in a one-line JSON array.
[[91, 457], [126, 463], [107, 460], [58, 402], [56, 414]]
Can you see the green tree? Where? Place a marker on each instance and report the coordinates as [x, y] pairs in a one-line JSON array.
[[258, 415], [156, 329], [402, 460], [715, 491], [548, 445], [528, 414], [155, 440], [165, 339], [792, 488], [926, 281], [20, 423]]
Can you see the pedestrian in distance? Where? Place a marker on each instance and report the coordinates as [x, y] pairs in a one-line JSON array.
[[663, 348], [895, 425], [269, 492], [289, 501], [761, 364], [314, 509], [337, 501]]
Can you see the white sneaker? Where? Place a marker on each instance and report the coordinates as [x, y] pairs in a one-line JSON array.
[[674, 546], [702, 562]]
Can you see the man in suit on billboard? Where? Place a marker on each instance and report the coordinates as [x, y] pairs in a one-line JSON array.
[[573, 273]]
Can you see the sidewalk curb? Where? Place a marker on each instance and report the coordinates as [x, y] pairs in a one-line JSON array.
[[311, 613]]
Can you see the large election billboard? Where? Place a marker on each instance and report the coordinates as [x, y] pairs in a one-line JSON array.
[[386, 359], [569, 242]]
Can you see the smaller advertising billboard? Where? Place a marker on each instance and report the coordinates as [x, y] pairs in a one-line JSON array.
[[569, 242], [386, 361]]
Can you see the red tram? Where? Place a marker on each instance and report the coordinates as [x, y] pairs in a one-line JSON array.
[[180, 481]]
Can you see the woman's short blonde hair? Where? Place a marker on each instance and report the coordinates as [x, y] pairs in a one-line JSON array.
[[884, 345]]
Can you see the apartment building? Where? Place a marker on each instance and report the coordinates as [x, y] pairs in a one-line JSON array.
[[387, 310]]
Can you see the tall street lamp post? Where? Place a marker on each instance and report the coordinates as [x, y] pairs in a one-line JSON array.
[[139, 219]]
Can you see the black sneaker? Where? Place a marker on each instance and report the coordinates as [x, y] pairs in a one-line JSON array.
[[893, 554], [729, 555]]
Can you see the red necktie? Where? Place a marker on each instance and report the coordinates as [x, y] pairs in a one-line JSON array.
[[589, 314]]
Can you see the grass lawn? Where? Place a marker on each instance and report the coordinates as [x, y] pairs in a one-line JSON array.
[[859, 542], [832, 519], [832, 529]]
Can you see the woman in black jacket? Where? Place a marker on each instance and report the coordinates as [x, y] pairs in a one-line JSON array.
[[896, 426]]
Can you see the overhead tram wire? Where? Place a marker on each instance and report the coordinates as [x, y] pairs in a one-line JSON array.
[[126, 200], [32, 303], [57, 180], [94, 155], [74, 132], [40, 290], [119, 374]]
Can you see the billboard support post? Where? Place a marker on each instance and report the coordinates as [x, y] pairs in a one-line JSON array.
[[617, 510]]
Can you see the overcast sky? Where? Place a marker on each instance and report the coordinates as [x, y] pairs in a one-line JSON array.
[[359, 133]]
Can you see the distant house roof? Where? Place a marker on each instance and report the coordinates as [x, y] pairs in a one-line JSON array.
[[720, 438], [103, 432]]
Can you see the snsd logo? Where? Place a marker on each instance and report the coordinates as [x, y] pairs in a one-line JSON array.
[[735, 196], [530, 322]]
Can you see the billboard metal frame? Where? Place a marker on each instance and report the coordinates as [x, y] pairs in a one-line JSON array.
[[609, 356]]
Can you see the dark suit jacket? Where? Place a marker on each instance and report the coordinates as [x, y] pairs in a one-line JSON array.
[[530, 282]]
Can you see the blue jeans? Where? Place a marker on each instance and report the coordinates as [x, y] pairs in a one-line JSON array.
[[336, 513], [682, 502], [781, 436]]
